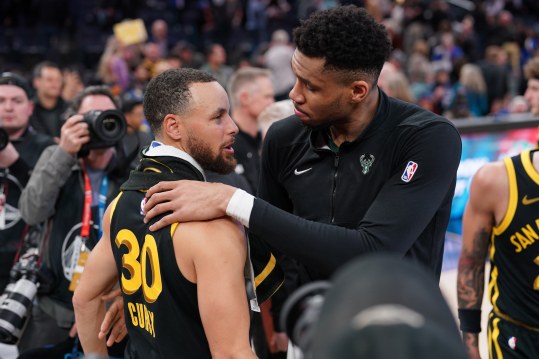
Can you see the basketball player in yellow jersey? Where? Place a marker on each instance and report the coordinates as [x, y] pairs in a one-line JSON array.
[[184, 291], [502, 219]]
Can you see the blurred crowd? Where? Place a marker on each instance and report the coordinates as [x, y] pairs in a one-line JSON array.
[[457, 58]]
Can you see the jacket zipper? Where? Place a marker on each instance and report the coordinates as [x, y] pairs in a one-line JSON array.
[[334, 189]]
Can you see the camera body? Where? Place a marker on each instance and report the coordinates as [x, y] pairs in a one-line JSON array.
[[106, 129], [300, 313], [4, 138]]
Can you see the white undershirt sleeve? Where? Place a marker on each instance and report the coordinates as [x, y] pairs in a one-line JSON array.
[[240, 206]]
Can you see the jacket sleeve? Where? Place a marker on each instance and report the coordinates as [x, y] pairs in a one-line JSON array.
[[394, 221], [50, 173], [21, 170]]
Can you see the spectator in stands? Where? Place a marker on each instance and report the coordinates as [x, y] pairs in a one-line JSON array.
[[137, 135], [469, 94], [113, 68], [152, 55], [518, 104], [216, 64], [73, 83], [188, 55], [159, 36], [251, 91], [277, 59], [49, 104], [531, 72], [396, 85], [447, 53], [17, 159], [419, 70], [139, 80], [496, 76], [441, 89], [56, 191], [274, 112]]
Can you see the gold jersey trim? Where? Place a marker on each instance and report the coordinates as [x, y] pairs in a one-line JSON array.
[[114, 203], [528, 166], [512, 201], [493, 334], [173, 228], [267, 270]]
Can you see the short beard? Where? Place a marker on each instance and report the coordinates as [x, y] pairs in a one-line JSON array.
[[202, 154]]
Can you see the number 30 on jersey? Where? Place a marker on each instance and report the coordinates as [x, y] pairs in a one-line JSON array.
[[137, 267]]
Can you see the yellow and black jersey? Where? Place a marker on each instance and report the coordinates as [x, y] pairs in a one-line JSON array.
[[160, 304], [514, 251]]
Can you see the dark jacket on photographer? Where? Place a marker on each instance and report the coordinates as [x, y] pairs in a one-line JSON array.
[[56, 191], [13, 179]]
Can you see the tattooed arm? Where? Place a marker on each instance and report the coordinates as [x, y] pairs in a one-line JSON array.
[[485, 208]]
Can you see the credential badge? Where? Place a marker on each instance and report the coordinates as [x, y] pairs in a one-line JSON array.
[[366, 163]]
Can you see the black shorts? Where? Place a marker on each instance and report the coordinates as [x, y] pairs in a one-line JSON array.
[[509, 341]]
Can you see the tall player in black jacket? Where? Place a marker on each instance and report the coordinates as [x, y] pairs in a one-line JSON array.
[[353, 172]]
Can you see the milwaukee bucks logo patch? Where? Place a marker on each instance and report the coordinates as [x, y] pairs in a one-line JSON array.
[[366, 163]]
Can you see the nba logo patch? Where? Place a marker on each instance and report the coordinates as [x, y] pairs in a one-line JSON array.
[[142, 204], [409, 171]]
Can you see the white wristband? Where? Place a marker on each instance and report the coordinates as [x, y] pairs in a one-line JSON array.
[[240, 206]]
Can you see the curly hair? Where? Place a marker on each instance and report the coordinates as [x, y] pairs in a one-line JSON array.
[[347, 37], [169, 93], [531, 69]]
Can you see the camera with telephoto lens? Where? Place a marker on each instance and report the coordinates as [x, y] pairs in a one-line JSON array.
[[106, 129], [17, 299], [4, 139], [300, 314]]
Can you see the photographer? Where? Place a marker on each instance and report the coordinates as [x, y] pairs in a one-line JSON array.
[[83, 162], [20, 148]]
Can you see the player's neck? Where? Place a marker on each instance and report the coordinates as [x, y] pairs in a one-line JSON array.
[[350, 129]]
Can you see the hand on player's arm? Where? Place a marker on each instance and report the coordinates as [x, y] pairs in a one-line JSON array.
[[187, 201], [113, 324]]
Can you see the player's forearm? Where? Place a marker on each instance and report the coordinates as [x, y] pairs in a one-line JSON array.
[[470, 282], [240, 353], [88, 315], [471, 341]]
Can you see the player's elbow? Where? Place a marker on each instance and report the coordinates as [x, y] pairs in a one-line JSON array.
[[80, 301]]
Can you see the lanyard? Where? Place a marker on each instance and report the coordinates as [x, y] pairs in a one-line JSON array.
[[102, 203], [87, 210]]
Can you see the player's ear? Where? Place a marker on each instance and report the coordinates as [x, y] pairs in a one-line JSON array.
[[359, 90], [172, 127]]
